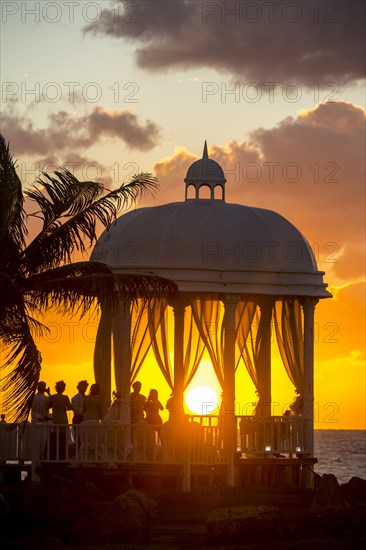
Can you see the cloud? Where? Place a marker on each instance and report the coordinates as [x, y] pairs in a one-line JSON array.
[[309, 168], [67, 132], [167, 170], [126, 126], [262, 41], [84, 168], [341, 322]]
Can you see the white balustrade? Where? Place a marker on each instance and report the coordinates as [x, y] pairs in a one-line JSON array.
[[198, 441], [277, 434]]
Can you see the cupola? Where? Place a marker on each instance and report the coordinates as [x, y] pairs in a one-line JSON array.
[[205, 174]]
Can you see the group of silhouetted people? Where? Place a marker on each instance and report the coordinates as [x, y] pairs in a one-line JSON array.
[[84, 407], [47, 408], [148, 410], [144, 427], [87, 410], [89, 407]]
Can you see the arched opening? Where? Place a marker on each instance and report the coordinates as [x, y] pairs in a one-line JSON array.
[[191, 192], [219, 192], [204, 192]]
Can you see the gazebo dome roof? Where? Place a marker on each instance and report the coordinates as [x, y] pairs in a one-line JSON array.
[[205, 171], [210, 246]]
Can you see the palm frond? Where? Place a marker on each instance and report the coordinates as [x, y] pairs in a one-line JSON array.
[[12, 227], [70, 224], [35, 277], [10, 295], [21, 383], [79, 288], [15, 334], [13, 307], [62, 196], [37, 329]]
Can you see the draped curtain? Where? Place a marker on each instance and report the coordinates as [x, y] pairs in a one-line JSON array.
[[245, 312], [146, 317], [102, 349], [290, 339], [160, 345], [252, 331], [208, 315], [162, 334], [102, 355], [194, 348], [204, 327], [132, 328], [210, 320]]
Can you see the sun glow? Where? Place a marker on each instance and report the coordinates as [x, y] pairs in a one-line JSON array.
[[202, 400]]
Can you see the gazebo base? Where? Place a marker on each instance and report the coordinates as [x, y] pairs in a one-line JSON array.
[[250, 473]]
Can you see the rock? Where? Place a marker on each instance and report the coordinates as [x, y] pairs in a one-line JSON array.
[[127, 519], [4, 506], [244, 524], [41, 505], [355, 489], [330, 513], [329, 496], [133, 501]]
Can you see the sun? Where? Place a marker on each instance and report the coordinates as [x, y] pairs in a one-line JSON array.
[[202, 400]]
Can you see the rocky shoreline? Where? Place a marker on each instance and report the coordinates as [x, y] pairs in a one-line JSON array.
[[65, 515]]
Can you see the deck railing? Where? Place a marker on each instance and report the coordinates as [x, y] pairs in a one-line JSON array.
[[199, 441], [276, 435], [15, 442]]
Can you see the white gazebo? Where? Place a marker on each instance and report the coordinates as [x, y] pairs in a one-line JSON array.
[[238, 269]]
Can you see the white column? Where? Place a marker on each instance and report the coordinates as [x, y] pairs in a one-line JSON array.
[[308, 306], [264, 356], [230, 432], [122, 349], [179, 307], [103, 357]]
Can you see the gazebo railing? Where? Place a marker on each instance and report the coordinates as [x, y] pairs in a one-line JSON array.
[[275, 435], [200, 441], [102, 443], [15, 442]]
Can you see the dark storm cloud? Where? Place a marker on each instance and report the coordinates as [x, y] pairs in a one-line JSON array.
[[65, 131], [261, 40]]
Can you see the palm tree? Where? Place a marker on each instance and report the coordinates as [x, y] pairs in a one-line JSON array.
[[38, 274]]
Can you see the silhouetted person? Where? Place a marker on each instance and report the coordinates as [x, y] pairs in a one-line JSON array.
[[118, 414], [2, 421], [89, 428], [93, 404], [77, 402], [297, 404], [41, 403], [119, 411], [175, 408], [40, 415], [152, 408], [59, 404], [138, 402]]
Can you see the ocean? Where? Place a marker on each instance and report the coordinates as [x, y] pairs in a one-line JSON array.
[[341, 452]]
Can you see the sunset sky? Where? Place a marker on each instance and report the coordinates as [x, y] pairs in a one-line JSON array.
[[109, 89]]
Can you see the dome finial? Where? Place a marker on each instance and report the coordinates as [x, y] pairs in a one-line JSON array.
[[206, 172], [205, 153]]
